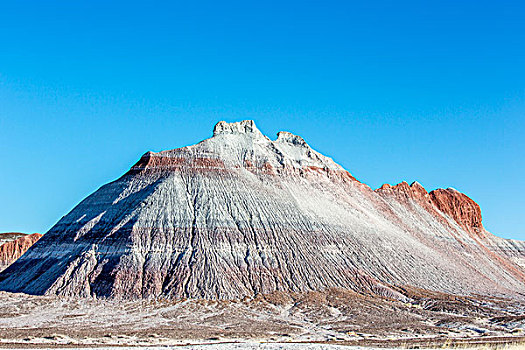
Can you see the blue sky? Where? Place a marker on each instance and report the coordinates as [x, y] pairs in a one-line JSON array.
[[392, 90]]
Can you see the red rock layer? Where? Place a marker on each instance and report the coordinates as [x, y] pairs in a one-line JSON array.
[[10, 236], [165, 162], [458, 206], [403, 191], [161, 162], [11, 251], [451, 202]]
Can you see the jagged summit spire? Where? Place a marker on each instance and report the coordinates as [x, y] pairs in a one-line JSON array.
[[242, 127], [239, 143], [248, 127], [285, 136]]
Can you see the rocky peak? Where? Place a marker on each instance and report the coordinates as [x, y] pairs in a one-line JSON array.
[[458, 206], [416, 187], [240, 145], [450, 201], [414, 191], [287, 137], [242, 127]]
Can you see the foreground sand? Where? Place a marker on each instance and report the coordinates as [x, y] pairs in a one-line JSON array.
[[292, 346], [299, 321]]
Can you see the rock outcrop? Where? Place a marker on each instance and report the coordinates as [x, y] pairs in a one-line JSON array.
[[10, 236], [239, 214], [458, 206], [14, 245]]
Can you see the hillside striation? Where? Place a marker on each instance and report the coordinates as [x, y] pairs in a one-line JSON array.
[[239, 214]]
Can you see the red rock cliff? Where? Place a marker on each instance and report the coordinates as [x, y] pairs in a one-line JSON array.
[[458, 206], [14, 249], [451, 202]]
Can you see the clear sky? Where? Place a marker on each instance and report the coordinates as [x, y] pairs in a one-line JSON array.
[[392, 90]]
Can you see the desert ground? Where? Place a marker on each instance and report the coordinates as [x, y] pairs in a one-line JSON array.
[[315, 320], [295, 346]]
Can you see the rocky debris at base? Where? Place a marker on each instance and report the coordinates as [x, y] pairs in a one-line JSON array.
[[336, 317]]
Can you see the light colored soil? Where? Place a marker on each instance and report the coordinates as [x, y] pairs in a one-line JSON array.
[[334, 317]]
